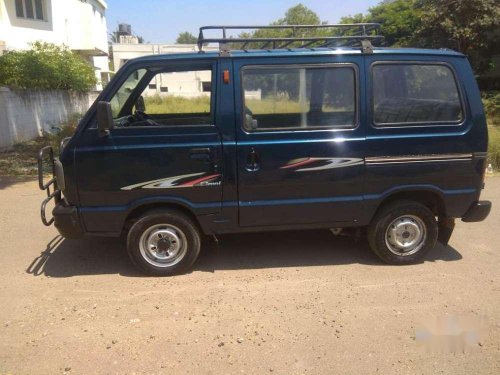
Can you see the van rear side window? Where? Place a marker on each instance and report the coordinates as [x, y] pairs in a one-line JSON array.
[[299, 97], [415, 94]]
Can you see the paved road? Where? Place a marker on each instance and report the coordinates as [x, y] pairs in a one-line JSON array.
[[285, 303]]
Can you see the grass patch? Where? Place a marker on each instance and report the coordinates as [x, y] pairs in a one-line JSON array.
[[260, 107], [21, 159], [494, 147], [176, 104], [157, 104]]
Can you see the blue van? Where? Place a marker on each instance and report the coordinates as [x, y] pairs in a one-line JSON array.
[[276, 133]]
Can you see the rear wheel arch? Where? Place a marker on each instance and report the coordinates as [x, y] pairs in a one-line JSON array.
[[429, 198]]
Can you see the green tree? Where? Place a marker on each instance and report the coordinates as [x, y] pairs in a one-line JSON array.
[[46, 67], [399, 20], [296, 15], [471, 27], [186, 38], [299, 15], [356, 18]]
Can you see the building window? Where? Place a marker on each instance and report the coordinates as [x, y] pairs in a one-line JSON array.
[[164, 89], [39, 9], [206, 86], [19, 8], [152, 86], [30, 9]]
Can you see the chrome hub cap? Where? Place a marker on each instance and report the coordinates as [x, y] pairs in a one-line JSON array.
[[406, 235], [163, 245]]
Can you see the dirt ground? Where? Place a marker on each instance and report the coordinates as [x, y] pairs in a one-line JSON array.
[[302, 302]]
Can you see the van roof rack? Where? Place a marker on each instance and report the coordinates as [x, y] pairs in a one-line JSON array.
[[337, 35]]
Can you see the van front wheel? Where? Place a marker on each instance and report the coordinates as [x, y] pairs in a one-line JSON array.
[[403, 232], [163, 243]]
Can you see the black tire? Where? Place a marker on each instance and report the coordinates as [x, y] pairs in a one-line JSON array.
[[418, 216], [174, 232]]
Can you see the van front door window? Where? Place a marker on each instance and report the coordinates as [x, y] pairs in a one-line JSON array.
[[163, 98]]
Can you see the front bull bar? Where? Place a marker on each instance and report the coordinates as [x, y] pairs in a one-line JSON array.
[[48, 153]]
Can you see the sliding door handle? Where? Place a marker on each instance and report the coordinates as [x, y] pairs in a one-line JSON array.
[[253, 161], [202, 153]]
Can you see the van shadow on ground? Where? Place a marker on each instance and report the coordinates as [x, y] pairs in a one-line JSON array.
[[96, 256], [8, 181]]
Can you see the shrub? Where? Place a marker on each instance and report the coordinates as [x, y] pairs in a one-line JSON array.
[[46, 67], [491, 102]]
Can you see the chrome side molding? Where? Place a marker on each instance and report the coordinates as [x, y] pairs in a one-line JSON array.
[[417, 159]]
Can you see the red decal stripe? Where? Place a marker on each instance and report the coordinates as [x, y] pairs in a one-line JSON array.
[[198, 180], [299, 163]]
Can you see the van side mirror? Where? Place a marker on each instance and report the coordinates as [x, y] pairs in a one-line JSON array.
[[140, 105], [104, 118]]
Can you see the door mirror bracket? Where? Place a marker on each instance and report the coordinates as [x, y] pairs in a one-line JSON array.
[[140, 105], [104, 118]]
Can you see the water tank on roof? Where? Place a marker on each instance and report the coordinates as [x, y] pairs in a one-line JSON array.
[[125, 29]]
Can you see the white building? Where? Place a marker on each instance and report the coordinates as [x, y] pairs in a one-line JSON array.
[[189, 84], [78, 24]]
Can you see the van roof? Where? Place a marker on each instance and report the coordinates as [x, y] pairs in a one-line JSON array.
[[301, 52]]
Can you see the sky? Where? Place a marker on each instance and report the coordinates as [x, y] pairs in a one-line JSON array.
[[160, 21]]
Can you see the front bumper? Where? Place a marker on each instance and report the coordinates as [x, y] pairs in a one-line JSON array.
[[67, 220], [478, 211]]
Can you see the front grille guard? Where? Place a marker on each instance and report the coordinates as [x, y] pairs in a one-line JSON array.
[[47, 154]]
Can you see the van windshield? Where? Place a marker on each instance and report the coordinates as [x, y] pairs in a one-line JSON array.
[[124, 92]]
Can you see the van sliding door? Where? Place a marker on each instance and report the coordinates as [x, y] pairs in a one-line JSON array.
[[300, 140]]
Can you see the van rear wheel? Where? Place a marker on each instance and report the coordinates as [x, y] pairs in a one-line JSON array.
[[403, 232], [163, 243]]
